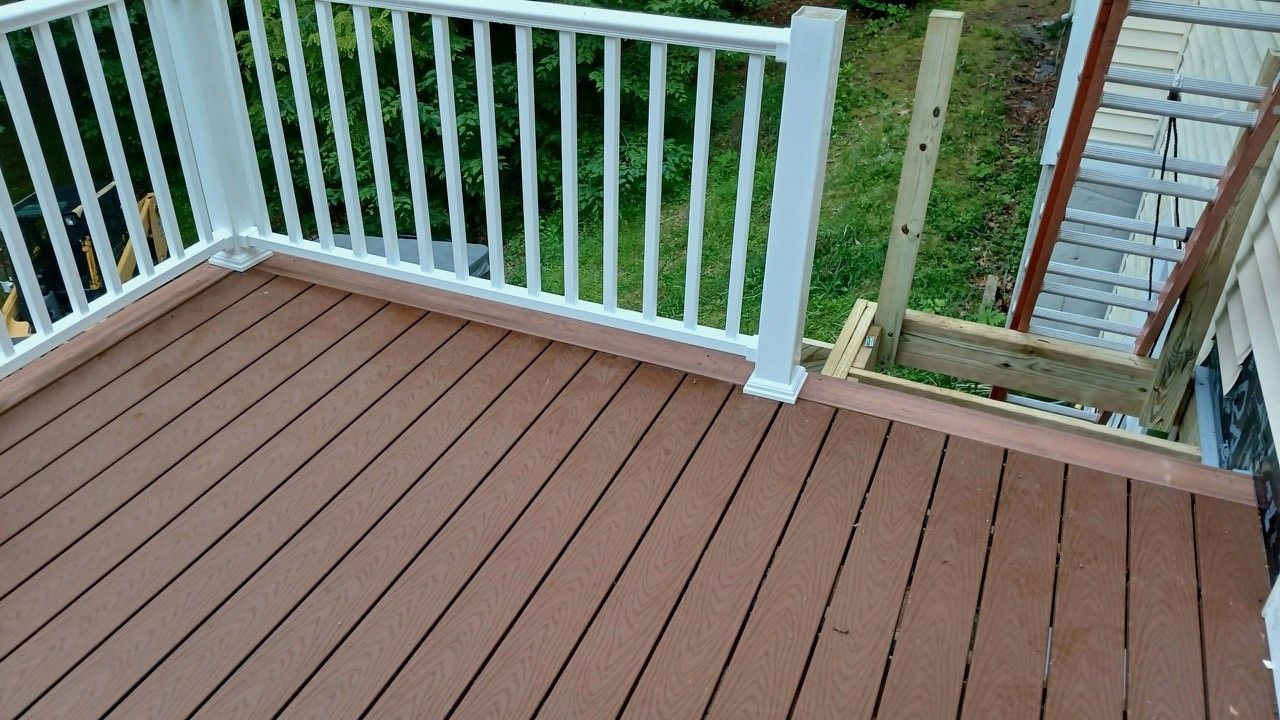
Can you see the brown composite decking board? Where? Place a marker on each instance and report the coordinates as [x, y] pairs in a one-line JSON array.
[[62, 394], [221, 499], [598, 677], [527, 660], [96, 684], [268, 679], [108, 490], [368, 509], [1086, 657], [401, 477], [1166, 670], [1232, 589], [68, 471], [932, 646], [849, 659], [441, 663], [764, 672], [1006, 673], [141, 382]]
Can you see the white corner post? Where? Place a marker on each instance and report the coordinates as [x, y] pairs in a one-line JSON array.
[[216, 114], [813, 61]]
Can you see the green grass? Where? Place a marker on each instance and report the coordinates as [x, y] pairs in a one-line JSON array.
[[983, 189]]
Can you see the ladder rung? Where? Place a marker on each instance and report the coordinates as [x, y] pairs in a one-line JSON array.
[[1181, 110], [1239, 19], [1085, 321], [1080, 272], [1115, 222], [1151, 185], [1188, 85], [1054, 408], [1098, 296], [1134, 157], [1081, 338], [1128, 247]]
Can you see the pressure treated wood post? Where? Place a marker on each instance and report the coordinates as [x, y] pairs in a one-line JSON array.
[[933, 90], [1205, 286], [813, 60]]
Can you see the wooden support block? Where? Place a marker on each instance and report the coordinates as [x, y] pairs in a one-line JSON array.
[[1077, 373], [868, 351], [933, 90], [1171, 386], [850, 340]]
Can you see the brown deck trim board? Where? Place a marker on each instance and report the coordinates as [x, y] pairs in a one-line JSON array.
[[78, 369], [764, 671], [1006, 675], [446, 557], [1086, 660], [849, 656], [133, 319], [931, 650], [1171, 470]]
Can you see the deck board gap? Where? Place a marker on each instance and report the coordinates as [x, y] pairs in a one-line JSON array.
[[1053, 596]]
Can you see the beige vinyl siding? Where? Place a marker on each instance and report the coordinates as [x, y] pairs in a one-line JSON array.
[[1249, 312], [1143, 44]]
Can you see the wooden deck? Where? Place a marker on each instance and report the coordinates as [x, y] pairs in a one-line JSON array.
[[281, 498]]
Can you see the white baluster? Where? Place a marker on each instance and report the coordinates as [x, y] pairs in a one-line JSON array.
[[612, 113], [746, 187], [413, 138], [653, 178], [449, 133], [489, 153], [698, 185], [341, 127], [569, 160], [528, 160], [377, 133]]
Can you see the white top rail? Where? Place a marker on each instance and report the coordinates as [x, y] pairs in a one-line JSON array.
[[730, 37], [26, 13]]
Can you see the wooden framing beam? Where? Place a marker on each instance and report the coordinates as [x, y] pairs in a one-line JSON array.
[[1062, 370], [849, 347], [933, 91], [1207, 280]]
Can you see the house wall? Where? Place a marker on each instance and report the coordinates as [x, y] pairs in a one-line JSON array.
[[1248, 317], [1143, 44]]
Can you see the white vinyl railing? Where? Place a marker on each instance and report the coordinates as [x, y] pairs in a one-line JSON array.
[[247, 211]]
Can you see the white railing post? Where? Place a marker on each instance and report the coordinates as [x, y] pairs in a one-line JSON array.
[[803, 137], [214, 109]]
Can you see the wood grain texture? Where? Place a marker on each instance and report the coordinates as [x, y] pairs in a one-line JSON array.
[[70, 470], [931, 652], [61, 434], [135, 471], [1006, 674], [1233, 588], [254, 539], [525, 663], [85, 562], [137, 323], [268, 679], [686, 664], [393, 646], [401, 478], [610, 656], [1087, 656], [849, 657], [764, 672], [1166, 677]]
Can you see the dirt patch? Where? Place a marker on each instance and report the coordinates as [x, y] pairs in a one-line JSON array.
[[778, 14]]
